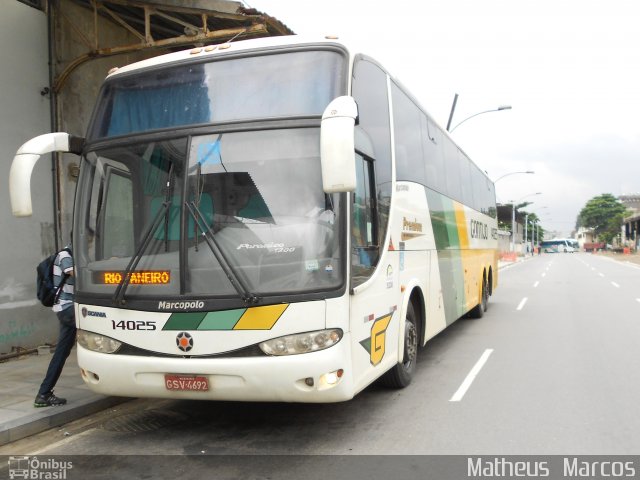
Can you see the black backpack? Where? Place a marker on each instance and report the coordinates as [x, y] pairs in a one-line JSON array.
[[46, 292]]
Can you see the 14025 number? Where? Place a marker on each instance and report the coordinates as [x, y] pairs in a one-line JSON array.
[[133, 325]]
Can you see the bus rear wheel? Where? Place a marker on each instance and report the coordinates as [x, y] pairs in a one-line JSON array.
[[478, 310], [402, 373]]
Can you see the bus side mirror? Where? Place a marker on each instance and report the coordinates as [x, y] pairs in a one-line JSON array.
[[337, 148], [24, 161]]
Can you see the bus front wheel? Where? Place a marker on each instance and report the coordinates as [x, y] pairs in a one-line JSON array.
[[401, 374]]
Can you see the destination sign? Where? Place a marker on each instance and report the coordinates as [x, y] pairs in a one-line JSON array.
[[138, 277]]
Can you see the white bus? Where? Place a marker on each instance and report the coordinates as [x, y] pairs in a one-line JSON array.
[[559, 245], [268, 220]]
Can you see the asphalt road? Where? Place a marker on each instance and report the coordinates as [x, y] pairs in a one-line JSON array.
[[552, 368]]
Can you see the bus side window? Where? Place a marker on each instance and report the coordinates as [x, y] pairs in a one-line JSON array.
[[364, 230]]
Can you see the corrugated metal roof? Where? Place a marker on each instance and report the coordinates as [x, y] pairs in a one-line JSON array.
[[167, 25], [171, 19]]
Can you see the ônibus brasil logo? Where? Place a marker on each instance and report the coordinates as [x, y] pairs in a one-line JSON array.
[[32, 467]]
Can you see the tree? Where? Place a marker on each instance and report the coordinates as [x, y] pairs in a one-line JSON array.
[[533, 227], [604, 215]]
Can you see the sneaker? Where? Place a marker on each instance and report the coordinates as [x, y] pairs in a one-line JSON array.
[[48, 400]]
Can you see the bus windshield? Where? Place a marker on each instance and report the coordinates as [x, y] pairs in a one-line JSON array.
[[267, 86], [182, 216]]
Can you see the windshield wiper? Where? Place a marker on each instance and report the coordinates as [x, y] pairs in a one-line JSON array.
[[118, 296], [168, 198], [247, 297]]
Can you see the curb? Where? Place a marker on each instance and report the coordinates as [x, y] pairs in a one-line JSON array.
[[43, 419]]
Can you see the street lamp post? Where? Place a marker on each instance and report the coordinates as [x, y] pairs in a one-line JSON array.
[[534, 237], [536, 229], [500, 108], [526, 230], [453, 108], [513, 219], [511, 173]]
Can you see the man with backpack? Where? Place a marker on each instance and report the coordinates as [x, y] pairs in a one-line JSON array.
[[63, 281]]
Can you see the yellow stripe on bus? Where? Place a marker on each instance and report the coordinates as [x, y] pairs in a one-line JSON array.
[[461, 222], [260, 318]]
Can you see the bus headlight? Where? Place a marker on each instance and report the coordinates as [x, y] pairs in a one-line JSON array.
[[302, 342], [97, 343]]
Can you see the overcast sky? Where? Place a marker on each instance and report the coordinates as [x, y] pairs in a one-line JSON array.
[[569, 68]]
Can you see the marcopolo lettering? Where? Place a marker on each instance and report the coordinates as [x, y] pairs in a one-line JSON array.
[[193, 305]]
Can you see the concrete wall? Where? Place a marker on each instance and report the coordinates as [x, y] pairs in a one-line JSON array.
[[24, 113], [78, 95]]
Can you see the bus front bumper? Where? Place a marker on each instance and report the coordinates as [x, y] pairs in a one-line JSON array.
[[318, 377]]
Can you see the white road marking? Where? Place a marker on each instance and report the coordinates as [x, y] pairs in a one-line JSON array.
[[471, 376], [638, 299], [521, 305], [601, 274], [544, 274], [615, 284], [536, 284]]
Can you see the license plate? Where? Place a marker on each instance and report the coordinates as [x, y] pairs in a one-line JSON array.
[[186, 383]]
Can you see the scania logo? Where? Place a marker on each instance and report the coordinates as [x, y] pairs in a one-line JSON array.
[[184, 341], [85, 312]]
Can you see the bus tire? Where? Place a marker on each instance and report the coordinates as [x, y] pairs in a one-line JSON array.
[[401, 374], [478, 310]]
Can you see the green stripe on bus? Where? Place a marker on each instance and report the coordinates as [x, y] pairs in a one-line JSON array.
[[438, 219], [256, 318], [443, 221], [452, 224], [447, 238], [184, 321], [224, 320]]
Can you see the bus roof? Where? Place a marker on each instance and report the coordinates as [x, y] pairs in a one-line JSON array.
[[224, 49], [352, 46]]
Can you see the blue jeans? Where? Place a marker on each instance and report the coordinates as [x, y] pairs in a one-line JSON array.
[[66, 341]]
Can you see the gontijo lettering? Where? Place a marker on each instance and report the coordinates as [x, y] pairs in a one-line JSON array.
[[479, 230]]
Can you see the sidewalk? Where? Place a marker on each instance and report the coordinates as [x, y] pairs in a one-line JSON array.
[[19, 381], [507, 263]]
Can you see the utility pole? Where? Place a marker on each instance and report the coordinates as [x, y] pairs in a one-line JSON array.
[[526, 231]]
